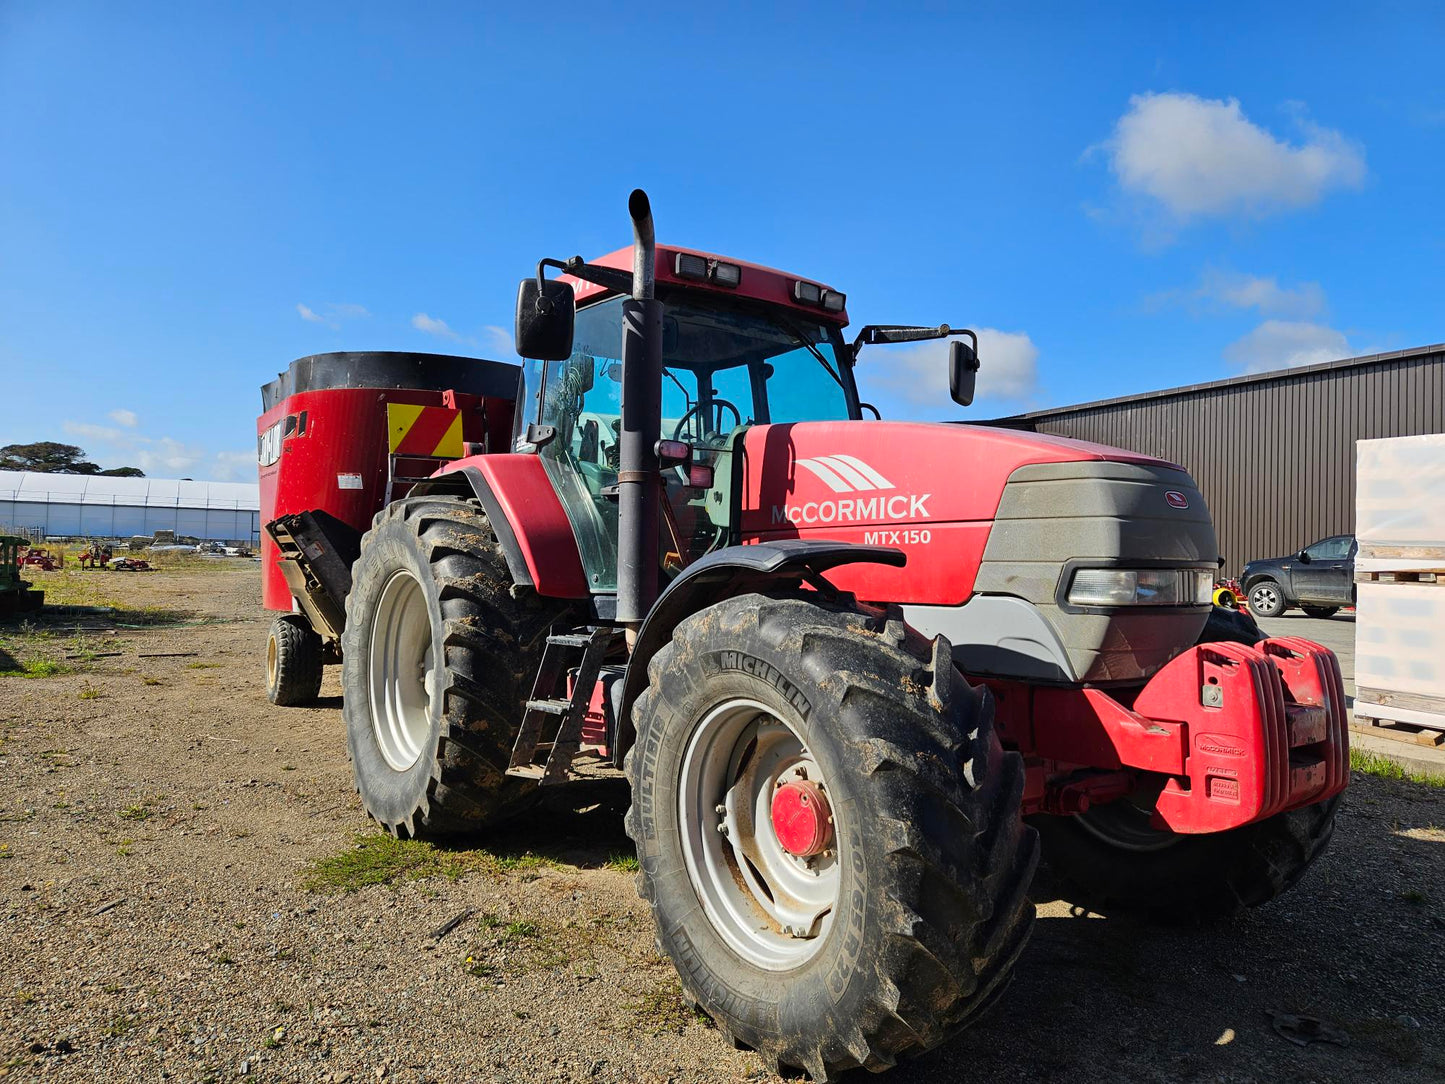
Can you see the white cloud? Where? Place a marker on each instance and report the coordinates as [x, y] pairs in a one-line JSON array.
[[499, 342], [1200, 157], [917, 375], [234, 466], [1282, 344], [422, 322], [1235, 290], [333, 312], [86, 431], [126, 418]]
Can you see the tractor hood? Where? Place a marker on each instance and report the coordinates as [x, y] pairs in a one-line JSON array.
[[809, 475], [992, 514]]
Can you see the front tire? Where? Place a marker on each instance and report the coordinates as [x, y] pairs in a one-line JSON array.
[[1266, 599], [1111, 857], [293, 662], [438, 657], [907, 925]]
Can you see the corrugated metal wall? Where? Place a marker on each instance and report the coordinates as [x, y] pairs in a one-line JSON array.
[[1275, 458]]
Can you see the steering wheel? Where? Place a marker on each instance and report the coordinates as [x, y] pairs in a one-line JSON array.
[[719, 405]]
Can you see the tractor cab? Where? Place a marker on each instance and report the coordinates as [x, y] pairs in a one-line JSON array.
[[727, 366], [741, 346]]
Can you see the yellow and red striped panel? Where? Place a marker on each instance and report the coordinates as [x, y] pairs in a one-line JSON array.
[[424, 430]]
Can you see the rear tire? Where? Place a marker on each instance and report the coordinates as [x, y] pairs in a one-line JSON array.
[[293, 662], [438, 658], [1320, 611], [931, 861], [1266, 599]]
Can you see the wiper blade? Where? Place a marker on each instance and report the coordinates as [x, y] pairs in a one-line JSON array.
[[802, 340]]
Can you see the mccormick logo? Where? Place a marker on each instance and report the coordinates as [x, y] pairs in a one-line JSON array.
[[849, 474], [845, 473], [1175, 499]]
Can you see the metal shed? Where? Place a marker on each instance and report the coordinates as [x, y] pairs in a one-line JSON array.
[[1273, 453], [93, 506]]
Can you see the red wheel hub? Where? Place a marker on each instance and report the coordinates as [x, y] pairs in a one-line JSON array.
[[802, 819]]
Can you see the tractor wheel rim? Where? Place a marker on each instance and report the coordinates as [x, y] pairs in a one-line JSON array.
[[402, 671], [773, 908]]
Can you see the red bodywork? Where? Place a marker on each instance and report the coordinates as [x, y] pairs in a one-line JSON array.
[[339, 463], [929, 490]]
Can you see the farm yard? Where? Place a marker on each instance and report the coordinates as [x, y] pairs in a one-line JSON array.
[[189, 890]]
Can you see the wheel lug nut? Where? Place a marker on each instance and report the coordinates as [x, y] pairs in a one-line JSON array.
[[719, 809], [723, 828]]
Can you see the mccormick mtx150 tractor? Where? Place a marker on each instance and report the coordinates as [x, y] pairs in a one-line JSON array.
[[855, 671]]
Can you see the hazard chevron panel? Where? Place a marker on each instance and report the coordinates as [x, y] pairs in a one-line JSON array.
[[424, 431]]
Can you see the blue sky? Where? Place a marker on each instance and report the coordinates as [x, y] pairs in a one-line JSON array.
[[191, 195]]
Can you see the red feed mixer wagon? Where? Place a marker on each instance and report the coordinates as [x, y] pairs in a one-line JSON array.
[[856, 673]]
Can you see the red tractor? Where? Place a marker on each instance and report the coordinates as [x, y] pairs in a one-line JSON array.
[[855, 672]]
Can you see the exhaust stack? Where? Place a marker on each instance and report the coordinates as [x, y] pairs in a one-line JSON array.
[[637, 470]]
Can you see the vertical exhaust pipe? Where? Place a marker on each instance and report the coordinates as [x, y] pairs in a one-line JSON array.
[[637, 471]]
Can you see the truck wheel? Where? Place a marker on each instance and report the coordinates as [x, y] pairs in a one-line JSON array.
[[1266, 599], [438, 657], [1112, 857], [293, 662], [1320, 611], [828, 832]]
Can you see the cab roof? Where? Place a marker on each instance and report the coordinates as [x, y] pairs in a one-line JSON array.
[[756, 282]]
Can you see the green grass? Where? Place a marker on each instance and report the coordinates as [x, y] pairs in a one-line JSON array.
[[622, 863], [382, 859], [1382, 767], [37, 668], [135, 813]]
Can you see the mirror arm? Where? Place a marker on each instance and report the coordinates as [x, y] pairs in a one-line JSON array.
[[874, 334], [609, 278]]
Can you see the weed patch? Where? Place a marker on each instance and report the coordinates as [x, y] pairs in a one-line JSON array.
[[1382, 767]]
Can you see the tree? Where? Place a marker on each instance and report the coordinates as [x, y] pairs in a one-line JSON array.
[[50, 457]]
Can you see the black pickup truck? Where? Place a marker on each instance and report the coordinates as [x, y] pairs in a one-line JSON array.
[[1319, 579]]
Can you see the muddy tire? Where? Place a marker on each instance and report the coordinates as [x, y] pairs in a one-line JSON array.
[[439, 654], [1110, 859], [293, 662], [924, 903]]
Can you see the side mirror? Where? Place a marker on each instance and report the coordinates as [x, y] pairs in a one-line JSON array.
[[546, 313], [1303, 557], [962, 371]]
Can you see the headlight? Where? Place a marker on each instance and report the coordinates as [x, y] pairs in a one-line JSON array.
[[1141, 587]]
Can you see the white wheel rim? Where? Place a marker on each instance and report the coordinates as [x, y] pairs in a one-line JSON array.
[[1265, 598], [402, 671], [772, 908]]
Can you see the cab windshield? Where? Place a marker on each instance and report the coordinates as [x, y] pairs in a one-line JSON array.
[[725, 367]]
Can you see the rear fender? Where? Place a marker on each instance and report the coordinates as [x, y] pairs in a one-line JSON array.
[[766, 567], [529, 521]]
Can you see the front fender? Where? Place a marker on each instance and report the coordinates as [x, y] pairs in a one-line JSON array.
[[736, 570]]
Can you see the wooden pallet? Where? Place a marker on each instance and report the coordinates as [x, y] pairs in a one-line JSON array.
[[1413, 733], [1431, 575]]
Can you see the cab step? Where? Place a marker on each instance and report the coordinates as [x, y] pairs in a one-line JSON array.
[[579, 653]]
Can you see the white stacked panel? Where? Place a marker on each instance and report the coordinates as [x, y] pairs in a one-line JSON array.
[[1400, 504], [1399, 624]]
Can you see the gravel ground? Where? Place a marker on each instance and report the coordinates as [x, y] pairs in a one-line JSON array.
[[180, 898]]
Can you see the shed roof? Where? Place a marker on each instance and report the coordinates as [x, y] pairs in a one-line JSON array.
[[134, 492]]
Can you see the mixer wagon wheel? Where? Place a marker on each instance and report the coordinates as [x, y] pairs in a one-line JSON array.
[[438, 656], [828, 832], [293, 662]]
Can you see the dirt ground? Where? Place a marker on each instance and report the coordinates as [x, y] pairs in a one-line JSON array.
[[183, 896]]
